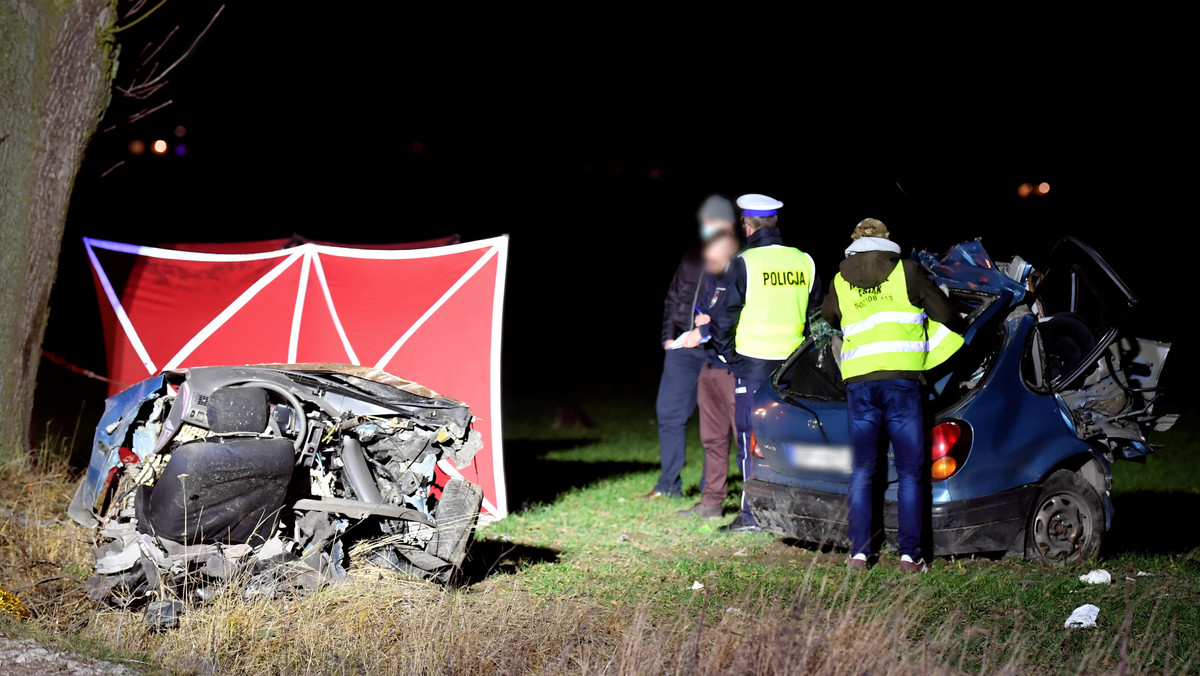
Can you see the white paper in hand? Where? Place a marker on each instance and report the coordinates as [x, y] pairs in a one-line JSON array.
[[683, 336]]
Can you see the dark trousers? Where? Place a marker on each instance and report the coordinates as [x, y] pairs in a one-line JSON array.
[[676, 403], [717, 413], [896, 406], [754, 377]]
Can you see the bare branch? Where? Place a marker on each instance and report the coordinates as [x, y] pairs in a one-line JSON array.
[[156, 51], [136, 6], [146, 88], [138, 20], [144, 112], [111, 169]]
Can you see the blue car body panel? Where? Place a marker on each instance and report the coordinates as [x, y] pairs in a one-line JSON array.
[[967, 266], [1004, 455], [119, 413]]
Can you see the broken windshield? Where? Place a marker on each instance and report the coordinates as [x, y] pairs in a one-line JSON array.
[[813, 372]]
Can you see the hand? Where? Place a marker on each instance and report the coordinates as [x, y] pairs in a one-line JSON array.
[[692, 339], [701, 320], [667, 344]]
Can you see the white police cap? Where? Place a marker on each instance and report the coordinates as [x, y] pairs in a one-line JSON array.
[[758, 205]]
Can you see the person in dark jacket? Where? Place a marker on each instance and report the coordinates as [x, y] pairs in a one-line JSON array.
[[893, 320], [681, 366], [715, 397], [764, 318]]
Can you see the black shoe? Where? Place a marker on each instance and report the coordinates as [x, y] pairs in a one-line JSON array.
[[740, 525]]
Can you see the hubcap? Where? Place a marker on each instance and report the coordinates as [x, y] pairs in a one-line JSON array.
[[1060, 526]]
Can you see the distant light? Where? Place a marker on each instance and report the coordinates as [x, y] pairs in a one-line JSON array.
[[137, 147], [180, 150], [655, 173], [1043, 188], [180, 131], [160, 147], [1024, 190], [417, 146], [618, 169]]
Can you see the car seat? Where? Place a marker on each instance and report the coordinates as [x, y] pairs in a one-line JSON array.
[[1067, 339]]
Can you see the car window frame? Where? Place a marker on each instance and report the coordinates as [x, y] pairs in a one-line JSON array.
[[1086, 266]]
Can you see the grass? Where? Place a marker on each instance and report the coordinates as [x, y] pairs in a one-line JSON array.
[[585, 578]]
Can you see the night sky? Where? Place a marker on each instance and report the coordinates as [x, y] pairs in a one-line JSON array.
[[593, 151]]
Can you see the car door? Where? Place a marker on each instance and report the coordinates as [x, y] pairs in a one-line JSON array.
[[1086, 352]]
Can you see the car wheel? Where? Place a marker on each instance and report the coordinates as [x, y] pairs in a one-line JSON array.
[[1067, 522], [456, 514]]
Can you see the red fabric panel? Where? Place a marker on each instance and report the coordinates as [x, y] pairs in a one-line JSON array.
[[124, 366], [259, 332], [170, 301], [261, 245], [318, 339], [396, 246], [378, 300], [451, 354]]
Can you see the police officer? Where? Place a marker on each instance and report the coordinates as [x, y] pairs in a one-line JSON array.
[[681, 366], [893, 320], [766, 305]]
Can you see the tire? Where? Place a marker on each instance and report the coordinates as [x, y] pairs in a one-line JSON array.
[[456, 514], [1066, 524]]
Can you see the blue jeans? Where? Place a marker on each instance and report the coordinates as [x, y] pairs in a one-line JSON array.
[[676, 403], [896, 405]]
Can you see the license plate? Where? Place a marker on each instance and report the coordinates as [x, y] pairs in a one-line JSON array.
[[820, 457]]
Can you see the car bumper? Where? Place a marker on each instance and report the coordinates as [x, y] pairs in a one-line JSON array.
[[994, 523]]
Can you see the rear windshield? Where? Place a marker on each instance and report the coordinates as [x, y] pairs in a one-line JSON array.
[[813, 372]]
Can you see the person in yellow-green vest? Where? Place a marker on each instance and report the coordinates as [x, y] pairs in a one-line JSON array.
[[893, 321], [769, 291]]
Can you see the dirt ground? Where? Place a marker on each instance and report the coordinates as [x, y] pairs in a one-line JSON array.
[[27, 657]]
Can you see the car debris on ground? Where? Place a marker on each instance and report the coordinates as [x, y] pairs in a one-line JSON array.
[[1098, 576], [1083, 617], [275, 477]]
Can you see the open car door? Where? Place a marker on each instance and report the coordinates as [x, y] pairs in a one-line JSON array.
[[1104, 378]]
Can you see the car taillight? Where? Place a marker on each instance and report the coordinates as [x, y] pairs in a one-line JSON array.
[[948, 448], [754, 449]]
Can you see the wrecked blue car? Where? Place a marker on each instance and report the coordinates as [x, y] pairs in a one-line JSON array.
[[1024, 422], [279, 474]]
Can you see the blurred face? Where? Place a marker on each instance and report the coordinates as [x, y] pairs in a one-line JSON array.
[[710, 228], [718, 252]]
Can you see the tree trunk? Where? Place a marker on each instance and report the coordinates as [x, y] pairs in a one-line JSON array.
[[56, 68]]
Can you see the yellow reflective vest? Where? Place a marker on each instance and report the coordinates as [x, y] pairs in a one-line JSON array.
[[771, 325], [883, 331]]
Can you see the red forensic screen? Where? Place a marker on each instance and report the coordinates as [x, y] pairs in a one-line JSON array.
[[429, 315]]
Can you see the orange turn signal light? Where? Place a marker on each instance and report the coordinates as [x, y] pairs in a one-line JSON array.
[[754, 450], [943, 468], [949, 444]]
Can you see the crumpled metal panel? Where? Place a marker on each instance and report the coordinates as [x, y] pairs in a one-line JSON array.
[[119, 413], [366, 373], [968, 266]]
